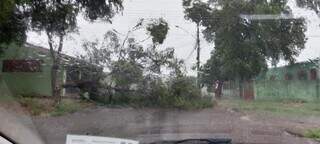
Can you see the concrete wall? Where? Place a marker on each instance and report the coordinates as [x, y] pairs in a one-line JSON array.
[[28, 83], [274, 85]]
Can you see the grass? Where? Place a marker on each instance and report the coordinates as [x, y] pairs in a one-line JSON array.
[[46, 107], [36, 106], [289, 108], [200, 103], [313, 134], [68, 106], [173, 102]]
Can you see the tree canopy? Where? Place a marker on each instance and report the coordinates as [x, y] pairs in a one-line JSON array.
[[56, 17], [12, 25], [158, 29], [309, 4], [196, 11], [244, 47], [129, 63], [129, 51]]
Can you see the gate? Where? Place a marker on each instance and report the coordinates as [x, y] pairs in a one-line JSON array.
[[236, 90], [248, 90]]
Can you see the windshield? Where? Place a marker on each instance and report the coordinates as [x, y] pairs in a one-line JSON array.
[[160, 71]]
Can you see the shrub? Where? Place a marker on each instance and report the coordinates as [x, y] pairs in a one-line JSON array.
[[184, 87], [199, 103], [66, 107], [36, 106], [47, 107], [178, 92], [314, 134]]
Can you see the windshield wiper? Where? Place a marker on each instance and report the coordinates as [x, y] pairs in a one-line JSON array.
[[210, 141], [197, 141]]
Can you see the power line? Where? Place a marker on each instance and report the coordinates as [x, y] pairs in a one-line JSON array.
[[191, 53]]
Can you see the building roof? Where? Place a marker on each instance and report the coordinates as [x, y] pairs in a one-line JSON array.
[[45, 50], [66, 58]]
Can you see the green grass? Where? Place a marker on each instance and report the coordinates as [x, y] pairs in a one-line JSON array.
[[46, 107], [200, 103], [166, 101], [313, 133], [289, 108], [35, 106], [66, 107]]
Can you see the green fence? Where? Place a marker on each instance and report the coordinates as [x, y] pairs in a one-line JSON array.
[[307, 90]]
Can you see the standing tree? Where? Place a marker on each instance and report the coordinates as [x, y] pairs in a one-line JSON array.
[[245, 47], [57, 18]]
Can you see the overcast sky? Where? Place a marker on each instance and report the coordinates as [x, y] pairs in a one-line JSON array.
[[183, 41]]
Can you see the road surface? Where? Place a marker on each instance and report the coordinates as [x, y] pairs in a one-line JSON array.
[[148, 125]]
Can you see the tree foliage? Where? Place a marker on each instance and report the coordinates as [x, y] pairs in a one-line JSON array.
[[213, 70], [246, 46], [196, 10], [309, 4], [158, 29], [12, 24], [134, 69], [55, 16]]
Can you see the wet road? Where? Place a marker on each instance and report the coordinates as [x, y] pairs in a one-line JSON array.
[[148, 125]]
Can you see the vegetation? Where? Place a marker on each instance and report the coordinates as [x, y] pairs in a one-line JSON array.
[[196, 11], [12, 25], [68, 106], [56, 18], [176, 93], [313, 133], [135, 72], [245, 46], [309, 4], [46, 107], [279, 108]]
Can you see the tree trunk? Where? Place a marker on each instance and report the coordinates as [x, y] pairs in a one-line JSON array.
[[56, 61], [218, 90], [55, 88], [198, 55], [241, 90]]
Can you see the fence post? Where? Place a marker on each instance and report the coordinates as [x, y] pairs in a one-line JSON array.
[[317, 79], [317, 88]]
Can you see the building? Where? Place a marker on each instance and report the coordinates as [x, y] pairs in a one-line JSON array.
[[26, 70]]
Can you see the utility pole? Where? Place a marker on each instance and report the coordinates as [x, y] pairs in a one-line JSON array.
[[198, 48], [198, 55]]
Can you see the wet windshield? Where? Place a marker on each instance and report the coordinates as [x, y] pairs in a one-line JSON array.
[[160, 71]]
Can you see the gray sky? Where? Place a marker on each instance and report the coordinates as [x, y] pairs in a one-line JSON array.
[[172, 11]]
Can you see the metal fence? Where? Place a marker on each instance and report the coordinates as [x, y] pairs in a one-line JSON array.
[[238, 90]]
